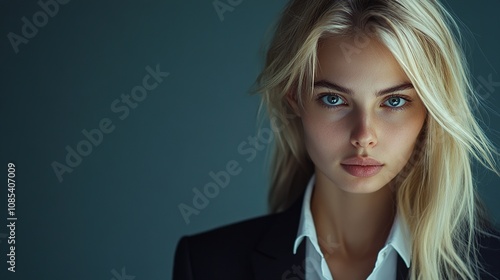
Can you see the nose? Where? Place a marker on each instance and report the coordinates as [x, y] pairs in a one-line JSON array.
[[363, 134]]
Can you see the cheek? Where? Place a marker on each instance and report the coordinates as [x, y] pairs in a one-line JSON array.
[[402, 132], [399, 140], [322, 136]]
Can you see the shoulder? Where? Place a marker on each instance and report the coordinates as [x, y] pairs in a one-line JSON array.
[[221, 253], [240, 250], [489, 254]]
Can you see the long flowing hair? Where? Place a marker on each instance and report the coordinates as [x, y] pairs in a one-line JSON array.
[[436, 193]]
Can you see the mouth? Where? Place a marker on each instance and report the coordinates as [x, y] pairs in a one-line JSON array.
[[362, 170], [359, 166], [361, 161]]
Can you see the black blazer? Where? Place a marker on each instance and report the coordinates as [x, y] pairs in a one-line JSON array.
[[261, 248]]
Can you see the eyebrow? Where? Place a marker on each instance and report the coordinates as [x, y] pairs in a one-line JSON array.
[[330, 85]]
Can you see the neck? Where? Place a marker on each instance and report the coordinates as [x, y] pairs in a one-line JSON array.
[[350, 225]]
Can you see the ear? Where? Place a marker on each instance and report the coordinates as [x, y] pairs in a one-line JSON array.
[[292, 102]]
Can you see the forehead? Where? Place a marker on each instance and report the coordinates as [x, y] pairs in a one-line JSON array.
[[360, 65]]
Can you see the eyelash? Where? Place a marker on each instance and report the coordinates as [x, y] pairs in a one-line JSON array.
[[334, 107]]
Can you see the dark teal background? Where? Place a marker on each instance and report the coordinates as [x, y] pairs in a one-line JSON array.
[[119, 207]]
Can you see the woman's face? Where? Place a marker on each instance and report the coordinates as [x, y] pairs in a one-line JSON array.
[[363, 106]]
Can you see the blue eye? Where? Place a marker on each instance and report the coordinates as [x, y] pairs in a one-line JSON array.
[[331, 100], [395, 101]]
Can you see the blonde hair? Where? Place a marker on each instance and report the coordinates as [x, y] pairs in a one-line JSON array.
[[435, 192]]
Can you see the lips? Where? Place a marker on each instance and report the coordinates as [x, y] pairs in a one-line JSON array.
[[362, 166], [361, 161]]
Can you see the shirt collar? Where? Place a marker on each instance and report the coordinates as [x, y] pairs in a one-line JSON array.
[[306, 224], [399, 237]]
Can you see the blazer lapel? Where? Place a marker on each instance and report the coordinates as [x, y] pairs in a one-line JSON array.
[[274, 257], [402, 270]]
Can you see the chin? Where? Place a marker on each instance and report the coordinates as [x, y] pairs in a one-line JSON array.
[[362, 189], [360, 185]]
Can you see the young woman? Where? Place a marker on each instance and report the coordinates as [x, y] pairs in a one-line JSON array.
[[372, 109]]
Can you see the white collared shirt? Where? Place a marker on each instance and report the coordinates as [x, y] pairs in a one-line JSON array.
[[316, 268]]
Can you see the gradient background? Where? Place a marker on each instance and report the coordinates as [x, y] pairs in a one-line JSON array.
[[118, 209]]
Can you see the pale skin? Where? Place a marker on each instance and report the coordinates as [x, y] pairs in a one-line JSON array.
[[353, 215]]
